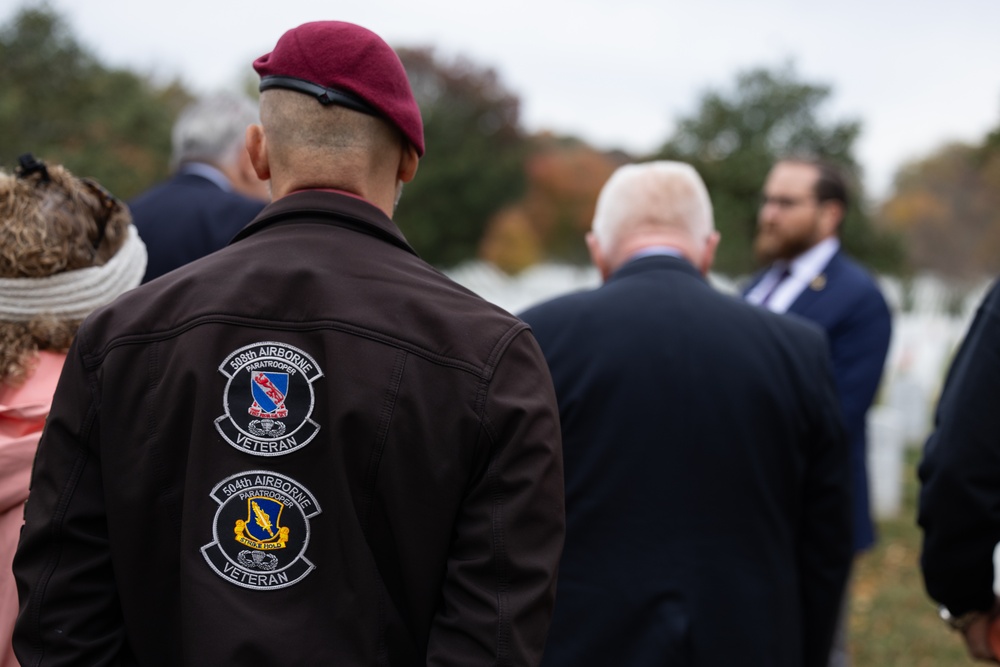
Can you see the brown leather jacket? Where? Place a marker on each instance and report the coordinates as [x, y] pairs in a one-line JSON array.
[[309, 448]]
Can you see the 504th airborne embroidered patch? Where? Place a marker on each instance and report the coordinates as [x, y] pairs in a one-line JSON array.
[[261, 530], [268, 399]]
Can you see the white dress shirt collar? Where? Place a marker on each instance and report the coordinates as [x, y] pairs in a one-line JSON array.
[[207, 172], [804, 269]]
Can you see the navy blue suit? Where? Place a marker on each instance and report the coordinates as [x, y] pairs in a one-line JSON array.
[[186, 218], [849, 306], [706, 476]]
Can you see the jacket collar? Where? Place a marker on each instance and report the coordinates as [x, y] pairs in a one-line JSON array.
[[330, 208], [207, 172], [655, 263]]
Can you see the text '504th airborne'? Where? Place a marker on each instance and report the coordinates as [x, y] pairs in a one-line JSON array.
[[261, 530], [268, 399]]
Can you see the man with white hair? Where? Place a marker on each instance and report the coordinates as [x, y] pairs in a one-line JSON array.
[[707, 486], [214, 191]]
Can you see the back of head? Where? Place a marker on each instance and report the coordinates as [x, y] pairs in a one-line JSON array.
[[346, 65], [336, 104], [67, 246], [329, 143], [831, 180], [212, 130], [655, 198]]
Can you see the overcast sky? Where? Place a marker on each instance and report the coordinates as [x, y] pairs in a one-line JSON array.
[[618, 73]]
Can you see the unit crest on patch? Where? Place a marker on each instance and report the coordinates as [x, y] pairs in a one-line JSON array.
[[261, 530], [268, 399]]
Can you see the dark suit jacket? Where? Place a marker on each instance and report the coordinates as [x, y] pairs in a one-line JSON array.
[[960, 472], [186, 218], [849, 306], [706, 476], [418, 464]]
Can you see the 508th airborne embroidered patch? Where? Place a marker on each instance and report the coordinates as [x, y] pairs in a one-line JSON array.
[[268, 399], [261, 530]]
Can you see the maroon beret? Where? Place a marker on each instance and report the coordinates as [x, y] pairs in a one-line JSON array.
[[344, 64]]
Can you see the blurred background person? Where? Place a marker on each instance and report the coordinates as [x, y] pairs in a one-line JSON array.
[[66, 247], [214, 191], [707, 485], [802, 209]]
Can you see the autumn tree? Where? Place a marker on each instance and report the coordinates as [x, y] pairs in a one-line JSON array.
[[474, 165], [735, 137], [60, 103], [564, 178], [947, 207], [511, 241]]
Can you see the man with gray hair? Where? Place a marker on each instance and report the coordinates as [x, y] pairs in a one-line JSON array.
[[214, 191], [705, 463]]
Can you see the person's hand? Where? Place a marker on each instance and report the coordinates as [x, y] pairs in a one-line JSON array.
[[977, 638]]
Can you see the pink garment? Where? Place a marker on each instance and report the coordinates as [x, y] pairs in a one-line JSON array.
[[22, 415]]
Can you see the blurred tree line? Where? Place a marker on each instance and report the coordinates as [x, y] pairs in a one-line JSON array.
[[947, 206], [735, 136], [60, 103], [487, 188], [473, 166]]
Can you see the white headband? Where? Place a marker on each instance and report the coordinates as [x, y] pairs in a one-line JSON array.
[[72, 295]]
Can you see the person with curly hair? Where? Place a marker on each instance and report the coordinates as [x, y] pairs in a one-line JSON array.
[[67, 246]]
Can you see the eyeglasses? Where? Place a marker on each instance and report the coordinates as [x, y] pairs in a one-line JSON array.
[[785, 203]]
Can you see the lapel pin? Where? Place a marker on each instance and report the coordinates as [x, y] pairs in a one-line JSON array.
[[818, 283]]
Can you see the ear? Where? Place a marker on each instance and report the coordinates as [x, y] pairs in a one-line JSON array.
[[245, 166], [597, 256], [243, 178], [708, 253], [831, 214], [257, 150], [407, 163]]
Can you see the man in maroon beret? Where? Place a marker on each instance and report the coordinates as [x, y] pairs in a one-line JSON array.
[[308, 448]]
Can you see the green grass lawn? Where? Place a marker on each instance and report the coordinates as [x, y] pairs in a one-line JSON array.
[[893, 622]]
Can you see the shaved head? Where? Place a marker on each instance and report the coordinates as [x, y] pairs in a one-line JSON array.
[[328, 141]]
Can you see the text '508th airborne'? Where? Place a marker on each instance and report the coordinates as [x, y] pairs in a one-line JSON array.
[[269, 399]]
